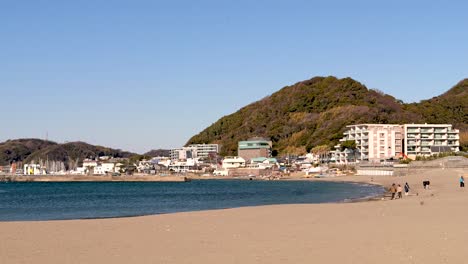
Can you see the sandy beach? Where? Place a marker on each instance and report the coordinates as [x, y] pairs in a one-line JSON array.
[[429, 226]]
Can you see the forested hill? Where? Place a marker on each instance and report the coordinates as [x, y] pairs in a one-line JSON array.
[[316, 111], [27, 150], [20, 149]]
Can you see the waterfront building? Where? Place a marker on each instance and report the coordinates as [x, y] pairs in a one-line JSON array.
[[104, 168], [254, 148], [203, 151], [183, 166], [378, 142], [233, 162], [183, 153], [374, 142], [428, 139]]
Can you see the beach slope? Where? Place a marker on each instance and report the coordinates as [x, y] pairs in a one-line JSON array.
[[429, 227]]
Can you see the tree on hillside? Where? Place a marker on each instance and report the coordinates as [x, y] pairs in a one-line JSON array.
[[351, 146], [322, 151]]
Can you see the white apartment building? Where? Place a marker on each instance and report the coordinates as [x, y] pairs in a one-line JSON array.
[[204, 150], [374, 142], [427, 139]]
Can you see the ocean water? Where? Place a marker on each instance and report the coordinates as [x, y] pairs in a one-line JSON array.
[[79, 200]]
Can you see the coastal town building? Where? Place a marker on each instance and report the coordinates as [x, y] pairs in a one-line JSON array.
[[263, 163], [254, 148], [233, 162], [104, 168], [428, 139], [374, 142], [193, 151], [183, 166], [183, 153], [379, 142], [203, 151]]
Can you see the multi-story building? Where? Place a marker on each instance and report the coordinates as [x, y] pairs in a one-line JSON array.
[[374, 142], [183, 153], [254, 148], [427, 139], [204, 150]]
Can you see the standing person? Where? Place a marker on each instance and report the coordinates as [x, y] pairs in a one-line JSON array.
[[462, 182], [407, 188], [393, 191], [399, 191]]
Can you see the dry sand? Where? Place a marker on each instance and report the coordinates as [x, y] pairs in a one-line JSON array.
[[427, 228]]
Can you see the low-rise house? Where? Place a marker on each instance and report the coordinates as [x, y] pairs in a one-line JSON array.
[[233, 162], [104, 168]]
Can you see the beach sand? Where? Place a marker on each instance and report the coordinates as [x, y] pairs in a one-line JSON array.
[[430, 227]]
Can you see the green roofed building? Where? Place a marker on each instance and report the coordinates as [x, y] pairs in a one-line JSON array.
[[254, 148]]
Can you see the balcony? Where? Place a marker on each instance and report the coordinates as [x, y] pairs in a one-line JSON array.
[[440, 131], [413, 136], [426, 137], [413, 130], [425, 130]]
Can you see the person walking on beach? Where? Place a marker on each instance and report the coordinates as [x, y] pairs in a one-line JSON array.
[[407, 189], [462, 182], [393, 191], [399, 191]]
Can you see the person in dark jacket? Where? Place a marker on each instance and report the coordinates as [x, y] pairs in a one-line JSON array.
[[407, 188]]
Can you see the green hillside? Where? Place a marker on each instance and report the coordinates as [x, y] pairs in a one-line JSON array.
[[27, 150], [20, 149], [316, 112]]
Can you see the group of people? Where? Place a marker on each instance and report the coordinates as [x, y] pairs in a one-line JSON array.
[[397, 190]]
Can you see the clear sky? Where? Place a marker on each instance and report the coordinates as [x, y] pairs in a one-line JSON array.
[[140, 75]]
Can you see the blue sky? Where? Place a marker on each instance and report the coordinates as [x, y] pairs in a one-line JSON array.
[[140, 75]]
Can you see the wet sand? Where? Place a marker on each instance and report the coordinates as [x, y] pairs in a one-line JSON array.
[[429, 227]]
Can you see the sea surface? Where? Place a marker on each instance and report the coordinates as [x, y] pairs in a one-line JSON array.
[[29, 201]]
